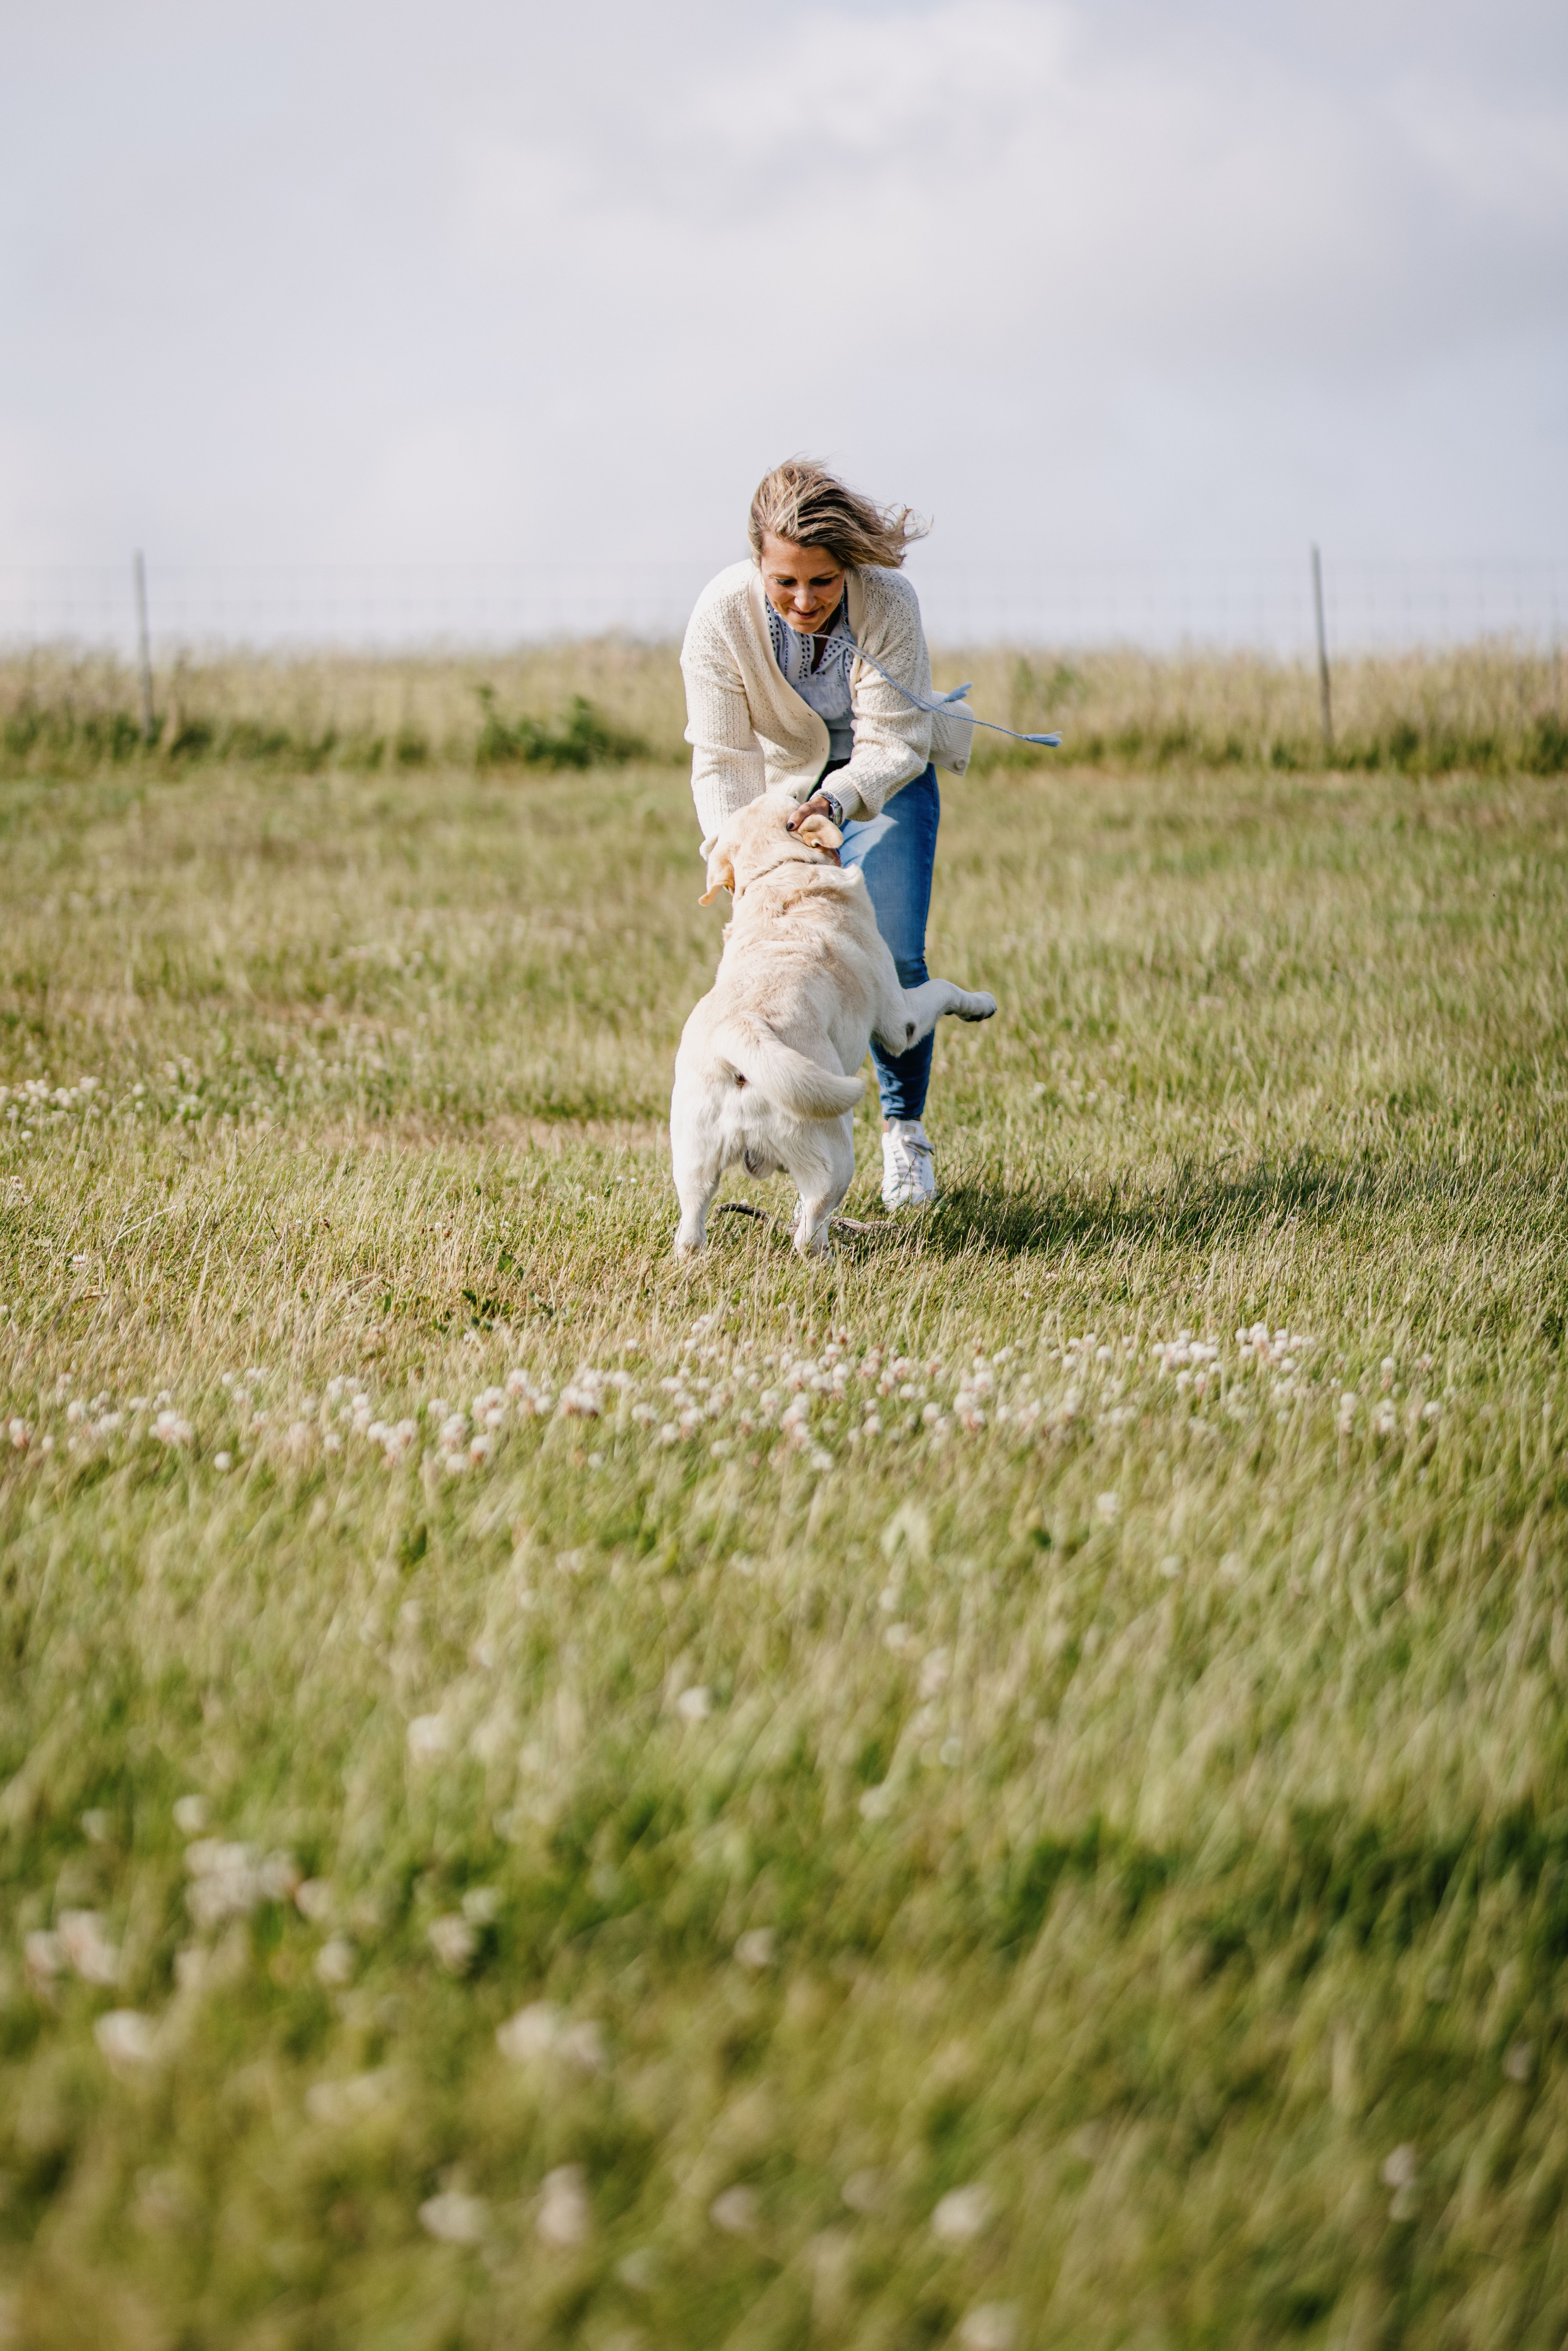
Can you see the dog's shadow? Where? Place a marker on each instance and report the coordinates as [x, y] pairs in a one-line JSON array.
[[1183, 1205]]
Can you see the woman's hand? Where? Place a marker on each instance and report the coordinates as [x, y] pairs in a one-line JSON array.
[[817, 805]]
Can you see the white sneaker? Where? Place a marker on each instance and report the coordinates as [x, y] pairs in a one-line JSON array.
[[908, 1173]]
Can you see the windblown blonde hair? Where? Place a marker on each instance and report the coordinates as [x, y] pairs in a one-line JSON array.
[[802, 501]]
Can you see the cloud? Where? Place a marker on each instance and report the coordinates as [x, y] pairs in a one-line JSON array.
[[349, 281]]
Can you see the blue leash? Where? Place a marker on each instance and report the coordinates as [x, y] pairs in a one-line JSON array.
[[1050, 742]]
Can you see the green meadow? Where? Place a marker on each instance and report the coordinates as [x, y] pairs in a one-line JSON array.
[[1007, 1790]]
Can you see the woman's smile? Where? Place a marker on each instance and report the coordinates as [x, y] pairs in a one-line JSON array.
[[803, 584]]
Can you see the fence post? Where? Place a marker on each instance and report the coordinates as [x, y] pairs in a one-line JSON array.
[[1327, 708], [143, 646]]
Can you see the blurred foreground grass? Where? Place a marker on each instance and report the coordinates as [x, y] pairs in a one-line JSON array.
[[545, 1798]]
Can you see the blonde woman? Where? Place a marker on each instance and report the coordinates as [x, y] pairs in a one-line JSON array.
[[806, 670]]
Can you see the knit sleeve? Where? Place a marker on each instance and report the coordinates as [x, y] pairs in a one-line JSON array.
[[893, 735], [727, 769]]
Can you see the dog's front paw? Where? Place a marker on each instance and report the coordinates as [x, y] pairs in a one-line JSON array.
[[980, 1007]]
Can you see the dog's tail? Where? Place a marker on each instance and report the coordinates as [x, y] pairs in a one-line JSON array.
[[757, 1057]]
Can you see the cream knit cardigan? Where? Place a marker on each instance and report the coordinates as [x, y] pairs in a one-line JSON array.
[[750, 732]]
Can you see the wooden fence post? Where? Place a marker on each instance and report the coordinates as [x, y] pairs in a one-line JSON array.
[[1327, 707], [143, 646]]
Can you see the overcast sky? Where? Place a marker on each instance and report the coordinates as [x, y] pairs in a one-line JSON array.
[[326, 280]]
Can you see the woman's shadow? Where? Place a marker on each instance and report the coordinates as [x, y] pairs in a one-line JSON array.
[[1183, 1205]]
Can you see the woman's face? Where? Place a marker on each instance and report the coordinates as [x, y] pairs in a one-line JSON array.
[[803, 583]]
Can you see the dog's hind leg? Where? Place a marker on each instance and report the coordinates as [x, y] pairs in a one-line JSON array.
[[698, 1164], [824, 1169], [695, 1187], [916, 1011]]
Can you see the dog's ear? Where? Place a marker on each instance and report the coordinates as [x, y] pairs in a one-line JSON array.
[[720, 877], [821, 831]]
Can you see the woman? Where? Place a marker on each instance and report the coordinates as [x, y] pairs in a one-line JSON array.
[[779, 697]]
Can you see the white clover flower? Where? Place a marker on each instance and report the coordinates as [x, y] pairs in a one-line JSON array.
[[44, 1954], [126, 2037], [582, 1398], [341, 2103], [962, 2213], [583, 2044], [755, 1949], [225, 1881], [735, 2211], [532, 2034], [169, 1428], [277, 1876], [335, 1962], [990, 2326], [454, 1942], [455, 2218], [429, 1735], [564, 2217], [935, 1671], [94, 1957], [694, 1704], [314, 1899]]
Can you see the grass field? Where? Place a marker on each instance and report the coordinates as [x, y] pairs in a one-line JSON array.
[[1009, 1790]]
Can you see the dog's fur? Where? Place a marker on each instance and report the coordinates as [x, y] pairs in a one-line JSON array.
[[765, 1068]]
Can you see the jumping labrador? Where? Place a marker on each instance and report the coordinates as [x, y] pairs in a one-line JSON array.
[[766, 1069]]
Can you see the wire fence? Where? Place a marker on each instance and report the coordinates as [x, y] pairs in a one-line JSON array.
[[1260, 606]]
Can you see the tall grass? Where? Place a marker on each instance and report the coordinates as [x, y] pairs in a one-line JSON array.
[[1489, 708], [1007, 1790]]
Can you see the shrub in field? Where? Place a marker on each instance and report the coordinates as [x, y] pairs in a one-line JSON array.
[[583, 739]]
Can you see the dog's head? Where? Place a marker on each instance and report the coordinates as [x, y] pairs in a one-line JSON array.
[[756, 840]]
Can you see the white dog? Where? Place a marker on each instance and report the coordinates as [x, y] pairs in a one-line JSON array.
[[765, 1068]]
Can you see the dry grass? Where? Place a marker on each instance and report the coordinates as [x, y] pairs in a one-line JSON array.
[[1491, 708], [929, 1730]]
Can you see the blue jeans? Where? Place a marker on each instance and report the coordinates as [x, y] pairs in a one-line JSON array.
[[896, 851]]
